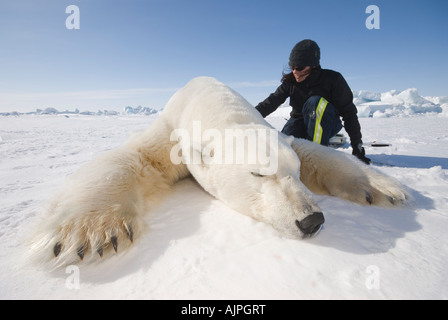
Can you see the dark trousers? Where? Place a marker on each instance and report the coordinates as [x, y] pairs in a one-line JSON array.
[[320, 122]]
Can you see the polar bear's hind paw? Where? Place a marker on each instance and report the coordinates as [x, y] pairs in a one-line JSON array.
[[100, 249], [98, 238]]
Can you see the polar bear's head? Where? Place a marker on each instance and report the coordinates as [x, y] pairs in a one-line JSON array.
[[266, 188]]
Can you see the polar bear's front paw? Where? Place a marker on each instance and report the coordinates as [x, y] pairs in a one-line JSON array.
[[390, 195], [97, 234]]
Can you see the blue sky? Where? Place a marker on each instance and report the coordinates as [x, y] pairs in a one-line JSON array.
[[138, 52]]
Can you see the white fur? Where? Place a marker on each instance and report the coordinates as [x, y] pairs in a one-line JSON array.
[[108, 197]]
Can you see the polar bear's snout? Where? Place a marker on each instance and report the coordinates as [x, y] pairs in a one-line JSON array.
[[311, 224]]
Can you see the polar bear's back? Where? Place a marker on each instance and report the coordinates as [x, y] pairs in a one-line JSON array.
[[213, 103]]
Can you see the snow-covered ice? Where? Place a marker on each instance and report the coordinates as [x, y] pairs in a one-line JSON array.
[[396, 103], [197, 248]]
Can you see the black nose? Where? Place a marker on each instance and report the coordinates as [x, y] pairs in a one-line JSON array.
[[311, 224]]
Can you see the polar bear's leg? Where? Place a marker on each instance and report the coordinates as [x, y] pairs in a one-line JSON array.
[[330, 172], [100, 210]]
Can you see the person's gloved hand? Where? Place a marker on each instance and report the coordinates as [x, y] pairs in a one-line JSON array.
[[360, 153]]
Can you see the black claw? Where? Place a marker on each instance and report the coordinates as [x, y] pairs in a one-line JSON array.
[[391, 200], [100, 251], [114, 241], [130, 234], [369, 197], [57, 249], [81, 251]]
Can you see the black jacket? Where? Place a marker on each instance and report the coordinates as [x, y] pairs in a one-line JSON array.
[[325, 83]]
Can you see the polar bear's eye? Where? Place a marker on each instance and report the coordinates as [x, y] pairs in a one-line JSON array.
[[259, 175], [256, 174]]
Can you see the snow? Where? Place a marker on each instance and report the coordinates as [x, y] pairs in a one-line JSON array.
[[197, 248]]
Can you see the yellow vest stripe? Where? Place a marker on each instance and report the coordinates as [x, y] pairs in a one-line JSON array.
[[319, 113]]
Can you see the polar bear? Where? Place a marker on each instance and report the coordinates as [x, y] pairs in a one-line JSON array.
[[211, 132]]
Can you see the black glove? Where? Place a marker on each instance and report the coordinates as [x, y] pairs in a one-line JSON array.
[[360, 153]]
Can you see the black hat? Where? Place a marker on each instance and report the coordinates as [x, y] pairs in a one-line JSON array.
[[305, 53]]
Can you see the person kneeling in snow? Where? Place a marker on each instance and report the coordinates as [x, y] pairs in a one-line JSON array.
[[318, 97]]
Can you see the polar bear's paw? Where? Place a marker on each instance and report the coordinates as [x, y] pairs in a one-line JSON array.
[[331, 172], [385, 191], [93, 236], [386, 196]]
